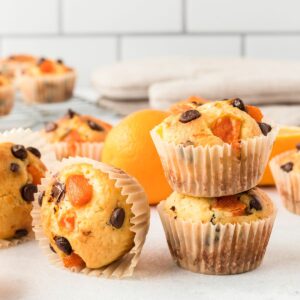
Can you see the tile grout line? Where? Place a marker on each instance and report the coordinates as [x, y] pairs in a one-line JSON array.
[[183, 15]]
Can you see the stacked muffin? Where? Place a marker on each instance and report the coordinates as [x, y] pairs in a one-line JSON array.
[[213, 155]]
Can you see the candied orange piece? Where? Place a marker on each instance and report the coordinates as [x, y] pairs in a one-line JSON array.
[[47, 66], [254, 112], [67, 221], [36, 174], [72, 136], [73, 260], [78, 190], [230, 204]]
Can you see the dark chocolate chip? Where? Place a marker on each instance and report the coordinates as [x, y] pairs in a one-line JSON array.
[[58, 191], [71, 113], [60, 61], [14, 167], [298, 146], [20, 233], [238, 103], [265, 128], [288, 167], [94, 126], [27, 192], [40, 198], [41, 60], [189, 116], [19, 151], [117, 217], [254, 203], [63, 244], [34, 151], [51, 126], [173, 208], [51, 248]]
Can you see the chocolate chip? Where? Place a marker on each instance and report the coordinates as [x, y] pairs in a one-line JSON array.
[[19, 151], [71, 113], [254, 203], [298, 146], [27, 192], [58, 191], [238, 103], [63, 244], [14, 167], [34, 151], [20, 233], [94, 126], [189, 116], [117, 217], [40, 198], [51, 248], [288, 167], [41, 60], [265, 128], [51, 126], [173, 208], [60, 61]]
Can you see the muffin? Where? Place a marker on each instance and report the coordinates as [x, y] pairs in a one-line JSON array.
[[285, 169], [224, 235], [94, 217], [6, 95], [219, 148], [21, 171], [47, 81], [189, 103], [77, 135], [14, 65]]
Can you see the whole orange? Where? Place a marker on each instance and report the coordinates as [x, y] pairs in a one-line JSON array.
[[129, 147]]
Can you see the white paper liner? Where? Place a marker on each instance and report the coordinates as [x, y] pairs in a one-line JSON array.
[[124, 266], [27, 138], [217, 249], [47, 89], [6, 99], [214, 171], [287, 184], [84, 149]]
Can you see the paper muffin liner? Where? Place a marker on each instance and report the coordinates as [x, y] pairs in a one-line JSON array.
[[6, 99], [136, 197], [214, 171], [217, 249], [287, 183], [47, 89], [27, 138], [84, 149]]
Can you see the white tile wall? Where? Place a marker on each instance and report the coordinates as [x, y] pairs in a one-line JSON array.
[[92, 33], [207, 46]]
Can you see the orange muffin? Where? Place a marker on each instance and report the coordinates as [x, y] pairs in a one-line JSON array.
[[7, 94], [77, 135], [47, 81]]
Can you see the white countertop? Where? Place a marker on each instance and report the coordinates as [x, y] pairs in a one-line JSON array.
[[26, 274]]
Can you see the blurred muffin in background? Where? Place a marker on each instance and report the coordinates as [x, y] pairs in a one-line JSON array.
[[13, 65], [47, 81], [77, 135], [6, 95]]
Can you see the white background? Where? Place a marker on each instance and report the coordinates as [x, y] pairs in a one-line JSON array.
[[92, 33]]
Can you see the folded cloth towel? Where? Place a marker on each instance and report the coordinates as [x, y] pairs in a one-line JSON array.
[[168, 80]]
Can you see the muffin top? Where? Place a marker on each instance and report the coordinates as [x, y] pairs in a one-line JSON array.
[[21, 58], [4, 80], [85, 217], [187, 104], [21, 170], [245, 207], [74, 127], [44, 67], [214, 123], [291, 161]]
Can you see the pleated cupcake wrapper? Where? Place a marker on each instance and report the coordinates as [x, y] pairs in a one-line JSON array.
[[136, 197], [6, 99], [214, 171], [287, 183], [27, 138], [85, 149], [216, 249], [47, 89]]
